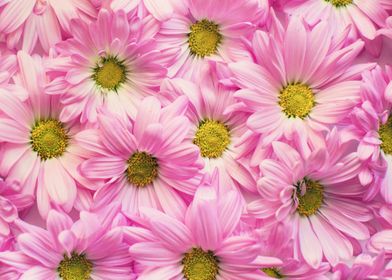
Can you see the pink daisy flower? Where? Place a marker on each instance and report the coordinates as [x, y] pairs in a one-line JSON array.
[[113, 64], [319, 200], [371, 126], [203, 246], [365, 17], [211, 30], [40, 152], [302, 81], [216, 134], [144, 163], [90, 248], [27, 22]]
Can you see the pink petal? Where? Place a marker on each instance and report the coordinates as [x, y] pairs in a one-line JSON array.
[[201, 219], [160, 9], [14, 14], [58, 183], [309, 244]]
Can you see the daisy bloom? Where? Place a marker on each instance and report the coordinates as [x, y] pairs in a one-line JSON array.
[[27, 22], [319, 200], [113, 63], [211, 30], [364, 17], [90, 248], [145, 162], [215, 133], [371, 126], [302, 81], [39, 151], [203, 247]]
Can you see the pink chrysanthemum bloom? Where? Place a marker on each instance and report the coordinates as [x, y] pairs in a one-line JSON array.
[[12, 201], [365, 17], [216, 134], [144, 163], [203, 246], [364, 266], [276, 244], [90, 248], [113, 63], [302, 81], [371, 125], [40, 152], [211, 30], [27, 21], [319, 199]]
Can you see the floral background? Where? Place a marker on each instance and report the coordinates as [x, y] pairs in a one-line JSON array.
[[195, 139]]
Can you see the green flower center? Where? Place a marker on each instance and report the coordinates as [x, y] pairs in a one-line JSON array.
[[310, 202], [142, 169], [204, 38], [385, 132], [212, 137], [49, 139], [340, 3], [200, 265], [109, 73], [296, 100], [272, 272], [75, 268]]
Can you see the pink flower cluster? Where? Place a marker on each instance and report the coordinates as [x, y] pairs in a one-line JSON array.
[[195, 139]]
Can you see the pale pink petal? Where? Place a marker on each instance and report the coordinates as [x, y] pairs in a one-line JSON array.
[[58, 183], [160, 9], [39, 272], [309, 244]]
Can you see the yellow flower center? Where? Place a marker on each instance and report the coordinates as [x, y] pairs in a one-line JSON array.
[[200, 265], [49, 139], [340, 3], [296, 100], [385, 133], [204, 38], [75, 268], [212, 137], [109, 73], [142, 169], [272, 272], [310, 202]]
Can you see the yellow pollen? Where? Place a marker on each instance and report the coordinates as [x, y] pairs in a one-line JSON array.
[[204, 38], [272, 272], [340, 3], [200, 265], [296, 100], [212, 137], [310, 202], [385, 132], [109, 73], [49, 139], [142, 169], [75, 268]]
